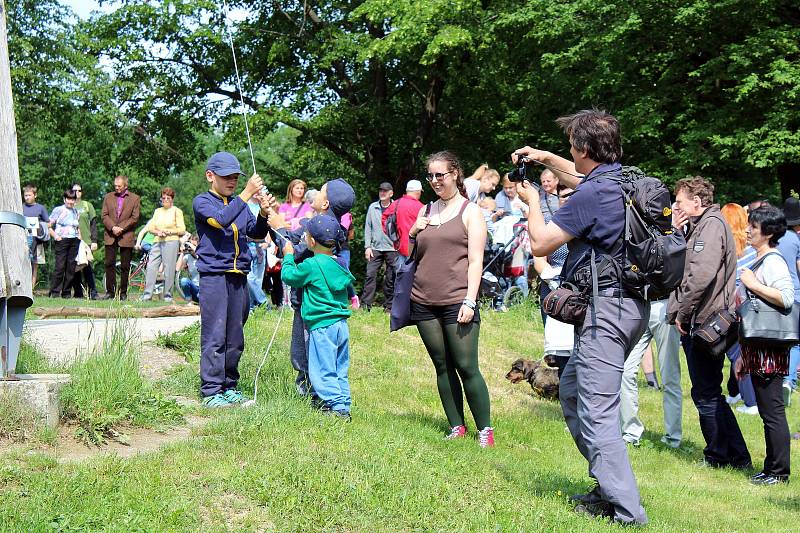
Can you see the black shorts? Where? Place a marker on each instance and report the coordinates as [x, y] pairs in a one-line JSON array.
[[447, 313]]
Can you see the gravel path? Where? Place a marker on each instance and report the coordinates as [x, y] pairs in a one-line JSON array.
[[61, 340]]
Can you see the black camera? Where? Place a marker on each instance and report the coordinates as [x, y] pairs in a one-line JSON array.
[[520, 173]]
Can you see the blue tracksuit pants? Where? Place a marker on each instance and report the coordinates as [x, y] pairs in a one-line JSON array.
[[328, 363], [224, 305]]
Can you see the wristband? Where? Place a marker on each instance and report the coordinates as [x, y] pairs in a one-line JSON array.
[[469, 303]]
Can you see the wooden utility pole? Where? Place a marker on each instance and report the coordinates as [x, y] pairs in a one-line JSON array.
[[16, 293]]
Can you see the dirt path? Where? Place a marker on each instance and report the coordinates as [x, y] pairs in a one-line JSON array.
[[61, 340], [68, 449]]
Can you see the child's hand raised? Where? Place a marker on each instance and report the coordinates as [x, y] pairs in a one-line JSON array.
[[253, 187], [288, 248]]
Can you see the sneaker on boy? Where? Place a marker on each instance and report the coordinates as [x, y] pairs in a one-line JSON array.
[[325, 309]]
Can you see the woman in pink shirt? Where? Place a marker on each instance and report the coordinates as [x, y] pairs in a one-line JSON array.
[[294, 209]]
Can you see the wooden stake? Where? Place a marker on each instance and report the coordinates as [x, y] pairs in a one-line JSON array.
[[15, 266]]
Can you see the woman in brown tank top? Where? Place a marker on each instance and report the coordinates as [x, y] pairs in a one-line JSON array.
[[450, 242]]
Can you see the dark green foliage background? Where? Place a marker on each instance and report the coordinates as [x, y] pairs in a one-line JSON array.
[[364, 90]]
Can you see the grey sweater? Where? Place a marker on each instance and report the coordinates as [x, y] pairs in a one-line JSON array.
[[374, 237]]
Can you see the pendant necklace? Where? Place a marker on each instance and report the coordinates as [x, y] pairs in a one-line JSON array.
[[443, 202]]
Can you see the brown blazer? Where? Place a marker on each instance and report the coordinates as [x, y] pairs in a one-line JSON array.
[[127, 220]]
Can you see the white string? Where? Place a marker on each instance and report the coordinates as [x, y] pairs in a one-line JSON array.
[[266, 353], [239, 86], [253, 160]]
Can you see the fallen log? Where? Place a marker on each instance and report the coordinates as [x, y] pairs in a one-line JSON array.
[[117, 312]]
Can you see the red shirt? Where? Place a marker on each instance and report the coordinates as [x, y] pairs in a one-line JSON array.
[[407, 208]]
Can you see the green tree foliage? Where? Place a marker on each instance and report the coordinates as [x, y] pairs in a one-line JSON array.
[[367, 88], [69, 124]]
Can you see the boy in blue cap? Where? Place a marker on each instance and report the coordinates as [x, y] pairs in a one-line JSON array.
[[325, 310], [223, 223], [336, 197]]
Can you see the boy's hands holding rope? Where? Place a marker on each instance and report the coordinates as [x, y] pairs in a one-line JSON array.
[[268, 203]]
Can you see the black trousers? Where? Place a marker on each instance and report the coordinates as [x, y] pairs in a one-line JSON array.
[[769, 398], [64, 270], [273, 285], [125, 255], [724, 441], [371, 281], [84, 278]]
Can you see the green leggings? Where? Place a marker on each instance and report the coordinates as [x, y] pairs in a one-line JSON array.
[[454, 351]]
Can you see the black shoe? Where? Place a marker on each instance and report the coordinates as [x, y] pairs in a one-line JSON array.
[[593, 496], [107, 296], [93, 295], [123, 297], [600, 509], [770, 480], [340, 413], [758, 476]]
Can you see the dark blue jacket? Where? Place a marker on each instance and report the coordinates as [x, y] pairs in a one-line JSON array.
[[223, 225]]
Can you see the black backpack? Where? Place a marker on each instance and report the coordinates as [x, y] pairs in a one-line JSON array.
[[390, 226], [653, 252]]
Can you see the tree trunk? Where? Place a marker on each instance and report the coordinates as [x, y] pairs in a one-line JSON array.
[[15, 266], [410, 166]]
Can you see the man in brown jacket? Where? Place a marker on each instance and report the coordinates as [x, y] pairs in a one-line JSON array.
[[709, 280], [120, 216]]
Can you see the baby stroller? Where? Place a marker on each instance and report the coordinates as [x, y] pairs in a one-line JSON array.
[[505, 260]]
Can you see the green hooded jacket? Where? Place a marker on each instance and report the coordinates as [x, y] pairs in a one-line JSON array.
[[324, 283]]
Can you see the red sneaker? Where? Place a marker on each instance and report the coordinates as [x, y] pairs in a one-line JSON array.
[[456, 432], [486, 437]]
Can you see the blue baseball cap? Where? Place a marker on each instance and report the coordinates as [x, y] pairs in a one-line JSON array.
[[324, 228], [224, 164]]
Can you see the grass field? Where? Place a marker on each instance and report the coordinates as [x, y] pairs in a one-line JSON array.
[[281, 466]]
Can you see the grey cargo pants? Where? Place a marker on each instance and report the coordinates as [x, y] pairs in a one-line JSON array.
[[590, 397]]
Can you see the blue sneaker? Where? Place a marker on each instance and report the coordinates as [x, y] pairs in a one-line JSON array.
[[234, 397], [216, 401]]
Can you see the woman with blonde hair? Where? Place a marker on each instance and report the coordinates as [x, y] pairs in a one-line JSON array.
[[295, 208], [481, 183]]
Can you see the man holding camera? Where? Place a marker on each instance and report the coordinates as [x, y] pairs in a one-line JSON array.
[[592, 224]]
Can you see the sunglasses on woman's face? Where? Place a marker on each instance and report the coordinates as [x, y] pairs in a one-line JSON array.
[[437, 175]]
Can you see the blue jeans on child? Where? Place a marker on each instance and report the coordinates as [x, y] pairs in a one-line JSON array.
[[190, 290], [328, 363]]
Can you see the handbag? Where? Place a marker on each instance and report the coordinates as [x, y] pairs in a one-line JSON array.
[[566, 304], [720, 330], [400, 315], [764, 324]]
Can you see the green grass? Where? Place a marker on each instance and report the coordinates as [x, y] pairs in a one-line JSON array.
[[281, 466], [107, 391]]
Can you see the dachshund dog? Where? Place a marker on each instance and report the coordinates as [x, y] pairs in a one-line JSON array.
[[542, 378]]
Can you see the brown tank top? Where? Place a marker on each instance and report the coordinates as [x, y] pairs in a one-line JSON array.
[[442, 262]]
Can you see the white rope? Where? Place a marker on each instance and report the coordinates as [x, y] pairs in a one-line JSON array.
[[252, 402], [239, 86]]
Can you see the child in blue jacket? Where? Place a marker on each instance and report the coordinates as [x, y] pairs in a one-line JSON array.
[[223, 223]]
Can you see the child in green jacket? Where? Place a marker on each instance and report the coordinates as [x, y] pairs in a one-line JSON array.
[[325, 310]]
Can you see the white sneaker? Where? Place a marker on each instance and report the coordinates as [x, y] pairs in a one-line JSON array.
[[787, 394], [733, 400], [752, 410]]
